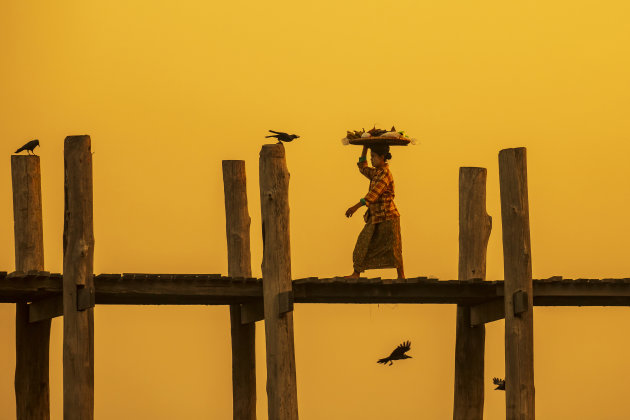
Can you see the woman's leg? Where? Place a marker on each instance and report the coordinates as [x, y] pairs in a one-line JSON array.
[[401, 272], [360, 250]]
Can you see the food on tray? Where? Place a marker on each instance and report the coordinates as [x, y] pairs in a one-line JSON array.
[[377, 136]]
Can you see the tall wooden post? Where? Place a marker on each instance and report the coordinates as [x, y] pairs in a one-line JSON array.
[[474, 231], [276, 269], [519, 320], [237, 224], [32, 392], [78, 269]]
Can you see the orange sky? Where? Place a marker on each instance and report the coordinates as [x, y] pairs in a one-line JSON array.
[[168, 89]]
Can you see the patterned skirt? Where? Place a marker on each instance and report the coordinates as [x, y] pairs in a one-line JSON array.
[[378, 246]]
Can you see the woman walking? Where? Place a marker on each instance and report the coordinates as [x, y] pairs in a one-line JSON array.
[[379, 244]]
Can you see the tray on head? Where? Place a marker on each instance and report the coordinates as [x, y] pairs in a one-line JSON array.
[[370, 141]]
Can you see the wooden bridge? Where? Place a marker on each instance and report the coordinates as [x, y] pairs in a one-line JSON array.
[[215, 289], [40, 296]]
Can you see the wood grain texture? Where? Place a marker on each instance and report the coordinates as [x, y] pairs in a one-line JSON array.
[[474, 231], [78, 269], [237, 225], [519, 329], [32, 389], [276, 269]]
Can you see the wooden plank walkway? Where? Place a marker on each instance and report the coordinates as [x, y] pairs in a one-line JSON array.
[[215, 289]]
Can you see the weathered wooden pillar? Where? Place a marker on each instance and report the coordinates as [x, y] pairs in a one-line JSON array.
[[474, 231], [237, 224], [78, 269], [519, 320], [276, 269], [32, 392]]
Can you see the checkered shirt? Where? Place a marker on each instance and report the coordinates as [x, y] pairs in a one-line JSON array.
[[380, 197]]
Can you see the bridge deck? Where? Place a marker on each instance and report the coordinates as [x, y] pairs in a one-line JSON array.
[[215, 289]]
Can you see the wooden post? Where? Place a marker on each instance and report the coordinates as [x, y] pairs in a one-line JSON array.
[[276, 269], [32, 392], [78, 269], [237, 224], [474, 231], [519, 328]]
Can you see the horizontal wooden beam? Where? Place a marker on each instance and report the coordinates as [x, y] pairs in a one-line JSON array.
[[214, 289], [52, 306], [252, 312], [46, 308], [485, 312], [493, 310]]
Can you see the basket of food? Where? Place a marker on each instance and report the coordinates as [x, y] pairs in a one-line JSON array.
[[377, 136]]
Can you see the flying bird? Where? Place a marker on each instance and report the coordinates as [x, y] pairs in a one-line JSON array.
[[29, 147], [283, 136], [397, 354], [500, 384]]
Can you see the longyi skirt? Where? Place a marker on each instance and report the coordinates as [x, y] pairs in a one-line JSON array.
[[379, 245]]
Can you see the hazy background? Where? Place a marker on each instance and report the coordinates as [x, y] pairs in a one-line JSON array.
[[167, 90]]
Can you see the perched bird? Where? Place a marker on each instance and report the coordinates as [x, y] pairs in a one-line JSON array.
[[283, 136], [500, 384], [397, 354], [29, 147]]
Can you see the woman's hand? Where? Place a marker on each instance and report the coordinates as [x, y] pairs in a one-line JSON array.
[[352, 209], [365, 149]]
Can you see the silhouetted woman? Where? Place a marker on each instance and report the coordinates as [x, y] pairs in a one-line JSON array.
[[379, 244]]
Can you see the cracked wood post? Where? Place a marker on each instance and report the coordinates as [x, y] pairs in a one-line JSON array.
[[237, 225], [78, 269], [474, 231], [32, 340], [276, 269], [517, 268]]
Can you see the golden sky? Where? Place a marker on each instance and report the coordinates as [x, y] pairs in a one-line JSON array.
[[167, 90]]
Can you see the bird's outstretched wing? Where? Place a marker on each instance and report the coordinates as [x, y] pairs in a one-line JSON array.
[[277, 132], [500, 383], [401, 349]]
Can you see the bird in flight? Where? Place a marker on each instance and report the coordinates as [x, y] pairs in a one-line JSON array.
[[500, 384], [283, 136], [397, 354], [29, 147]]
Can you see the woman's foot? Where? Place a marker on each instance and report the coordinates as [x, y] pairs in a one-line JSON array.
[[354, 275]]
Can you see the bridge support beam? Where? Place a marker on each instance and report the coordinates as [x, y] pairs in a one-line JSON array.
[[518, 294], [32, 389], [243, 329], [78, 269], [276, 270], [474, 231]]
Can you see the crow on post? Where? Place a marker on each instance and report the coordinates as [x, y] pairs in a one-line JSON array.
[[397, 354], [500, 384], [29, 147], [283, 136]]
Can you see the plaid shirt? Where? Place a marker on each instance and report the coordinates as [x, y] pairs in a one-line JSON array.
[[380, 198]]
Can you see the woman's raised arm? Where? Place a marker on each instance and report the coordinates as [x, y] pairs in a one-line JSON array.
[[363, 165]]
